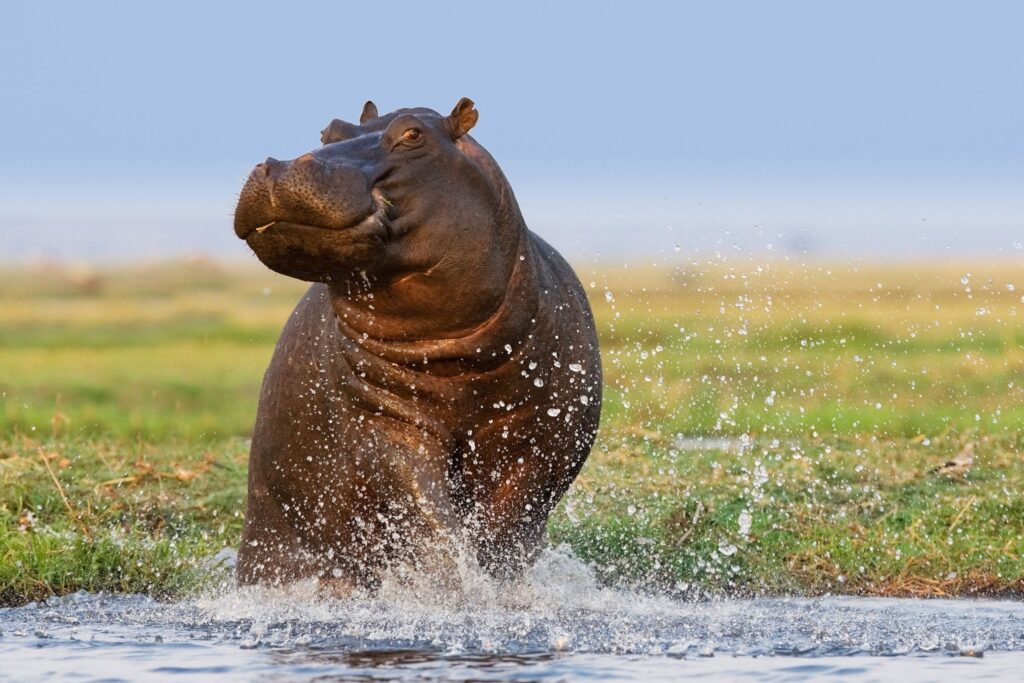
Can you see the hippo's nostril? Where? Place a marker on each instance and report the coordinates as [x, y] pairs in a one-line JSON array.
[[271, 169]]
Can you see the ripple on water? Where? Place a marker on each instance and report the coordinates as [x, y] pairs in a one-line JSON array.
[[557, 623]]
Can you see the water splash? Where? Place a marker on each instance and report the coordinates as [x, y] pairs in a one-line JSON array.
[[557, 620], [559, 605]]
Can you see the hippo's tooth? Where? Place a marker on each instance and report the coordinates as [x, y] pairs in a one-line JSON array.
[[264, 227]]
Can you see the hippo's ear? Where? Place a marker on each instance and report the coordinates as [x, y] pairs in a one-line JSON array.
[[369, 112], [336, 131], [331, 133], [462, 118]]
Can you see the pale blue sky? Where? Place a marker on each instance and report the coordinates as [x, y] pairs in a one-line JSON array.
[[874, 127]]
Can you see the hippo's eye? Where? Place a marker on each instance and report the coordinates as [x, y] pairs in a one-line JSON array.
[[411, 135]]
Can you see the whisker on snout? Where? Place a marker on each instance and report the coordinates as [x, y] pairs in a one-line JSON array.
[[383, 202]]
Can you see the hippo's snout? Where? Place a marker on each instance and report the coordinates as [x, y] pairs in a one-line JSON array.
[[311, 218], [304, 191]]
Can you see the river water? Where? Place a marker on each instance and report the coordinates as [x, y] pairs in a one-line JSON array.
[[559, 624]]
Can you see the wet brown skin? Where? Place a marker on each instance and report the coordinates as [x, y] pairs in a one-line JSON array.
[[439, 385]]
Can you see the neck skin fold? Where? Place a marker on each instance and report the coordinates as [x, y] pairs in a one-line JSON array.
[[464, 321]]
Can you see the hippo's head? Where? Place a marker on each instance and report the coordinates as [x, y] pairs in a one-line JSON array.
[[393, 195]]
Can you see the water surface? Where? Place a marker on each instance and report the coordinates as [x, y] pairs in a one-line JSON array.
[[558, 625]]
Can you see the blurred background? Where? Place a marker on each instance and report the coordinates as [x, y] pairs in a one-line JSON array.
[[874, 130], [799, 226]]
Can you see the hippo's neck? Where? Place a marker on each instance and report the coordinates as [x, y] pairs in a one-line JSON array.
[[488, 336]]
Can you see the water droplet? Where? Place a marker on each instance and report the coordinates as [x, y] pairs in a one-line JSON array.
[[554, 412], [745, 520]]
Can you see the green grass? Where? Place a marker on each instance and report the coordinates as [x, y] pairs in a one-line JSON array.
[[137, 387], [859, 515], [114, 516]]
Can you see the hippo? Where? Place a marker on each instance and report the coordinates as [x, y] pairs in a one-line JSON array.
[[438, 387]]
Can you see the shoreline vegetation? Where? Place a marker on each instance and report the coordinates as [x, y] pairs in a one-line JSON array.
[[769, 427]]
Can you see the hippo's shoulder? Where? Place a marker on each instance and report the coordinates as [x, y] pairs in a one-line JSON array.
[[307, 319], [554, 264]]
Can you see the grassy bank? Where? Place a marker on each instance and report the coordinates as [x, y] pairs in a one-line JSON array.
[[768, 426]]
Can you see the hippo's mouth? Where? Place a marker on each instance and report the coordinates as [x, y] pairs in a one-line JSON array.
[[319, 253], [374, 218]]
